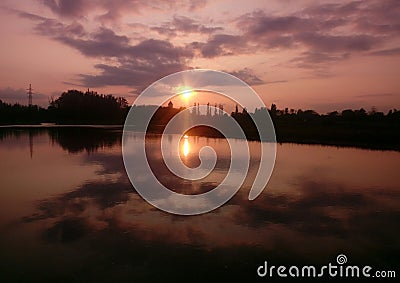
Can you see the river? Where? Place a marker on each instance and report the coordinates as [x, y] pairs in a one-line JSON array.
[[68, 212]]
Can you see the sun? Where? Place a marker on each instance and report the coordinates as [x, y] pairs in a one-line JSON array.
[[186, 92]]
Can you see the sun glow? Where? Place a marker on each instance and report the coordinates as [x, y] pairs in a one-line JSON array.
[[185, 147], [186, 92]]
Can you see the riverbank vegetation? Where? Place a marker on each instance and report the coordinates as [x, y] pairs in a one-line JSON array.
[[371, 129]]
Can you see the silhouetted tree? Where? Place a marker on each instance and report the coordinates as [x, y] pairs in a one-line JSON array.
[[273, 110], [75, 106]]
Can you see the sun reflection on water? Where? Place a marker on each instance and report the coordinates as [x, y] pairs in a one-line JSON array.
[[185, 146]]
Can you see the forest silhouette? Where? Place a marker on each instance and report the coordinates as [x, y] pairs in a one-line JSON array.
[[372, 129]]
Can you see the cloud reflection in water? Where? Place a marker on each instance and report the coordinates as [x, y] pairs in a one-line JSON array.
[[301, 217]]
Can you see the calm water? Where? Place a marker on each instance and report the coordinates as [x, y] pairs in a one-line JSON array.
[[68, 212]]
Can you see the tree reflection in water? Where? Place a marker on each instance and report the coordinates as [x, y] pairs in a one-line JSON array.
[[103, 230]]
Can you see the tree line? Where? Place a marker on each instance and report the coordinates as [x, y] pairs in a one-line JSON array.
[[72, 107], [348, 127], [75, 106]]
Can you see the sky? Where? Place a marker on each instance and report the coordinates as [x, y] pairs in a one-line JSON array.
[[321, 55]]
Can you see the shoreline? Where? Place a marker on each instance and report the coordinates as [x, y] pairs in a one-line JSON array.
[[338, 144], [51, 125]]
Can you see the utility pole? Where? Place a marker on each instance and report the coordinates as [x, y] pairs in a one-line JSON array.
[[30, 94]]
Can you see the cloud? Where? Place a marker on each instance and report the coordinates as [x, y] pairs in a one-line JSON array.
[[106, 43], [268, 32], [380, 17], [312, 214], [56, 30], [309, 214], [258, 24], [113, 10], [26, 15], [182, 24], [323, 33], [11, 95], [375, 16], [276, 82], [14, 95], [338, 43], [247, 75], [142, 64], [197, 4], [377, 95], [136, 65], [135, 73], [317, 63], [188, 25], [220, 45], [311, 59], [68, 8], [291, 31], [329, 10], [101, 43], [386, 52], [319, 35]]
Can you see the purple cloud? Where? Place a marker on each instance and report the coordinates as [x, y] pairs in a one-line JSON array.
[[323, 34], [185, 25], [248, 76], [114, 8], [386, 52], [68, 8]]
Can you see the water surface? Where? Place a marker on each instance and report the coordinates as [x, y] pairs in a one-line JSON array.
[[68, 212]]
